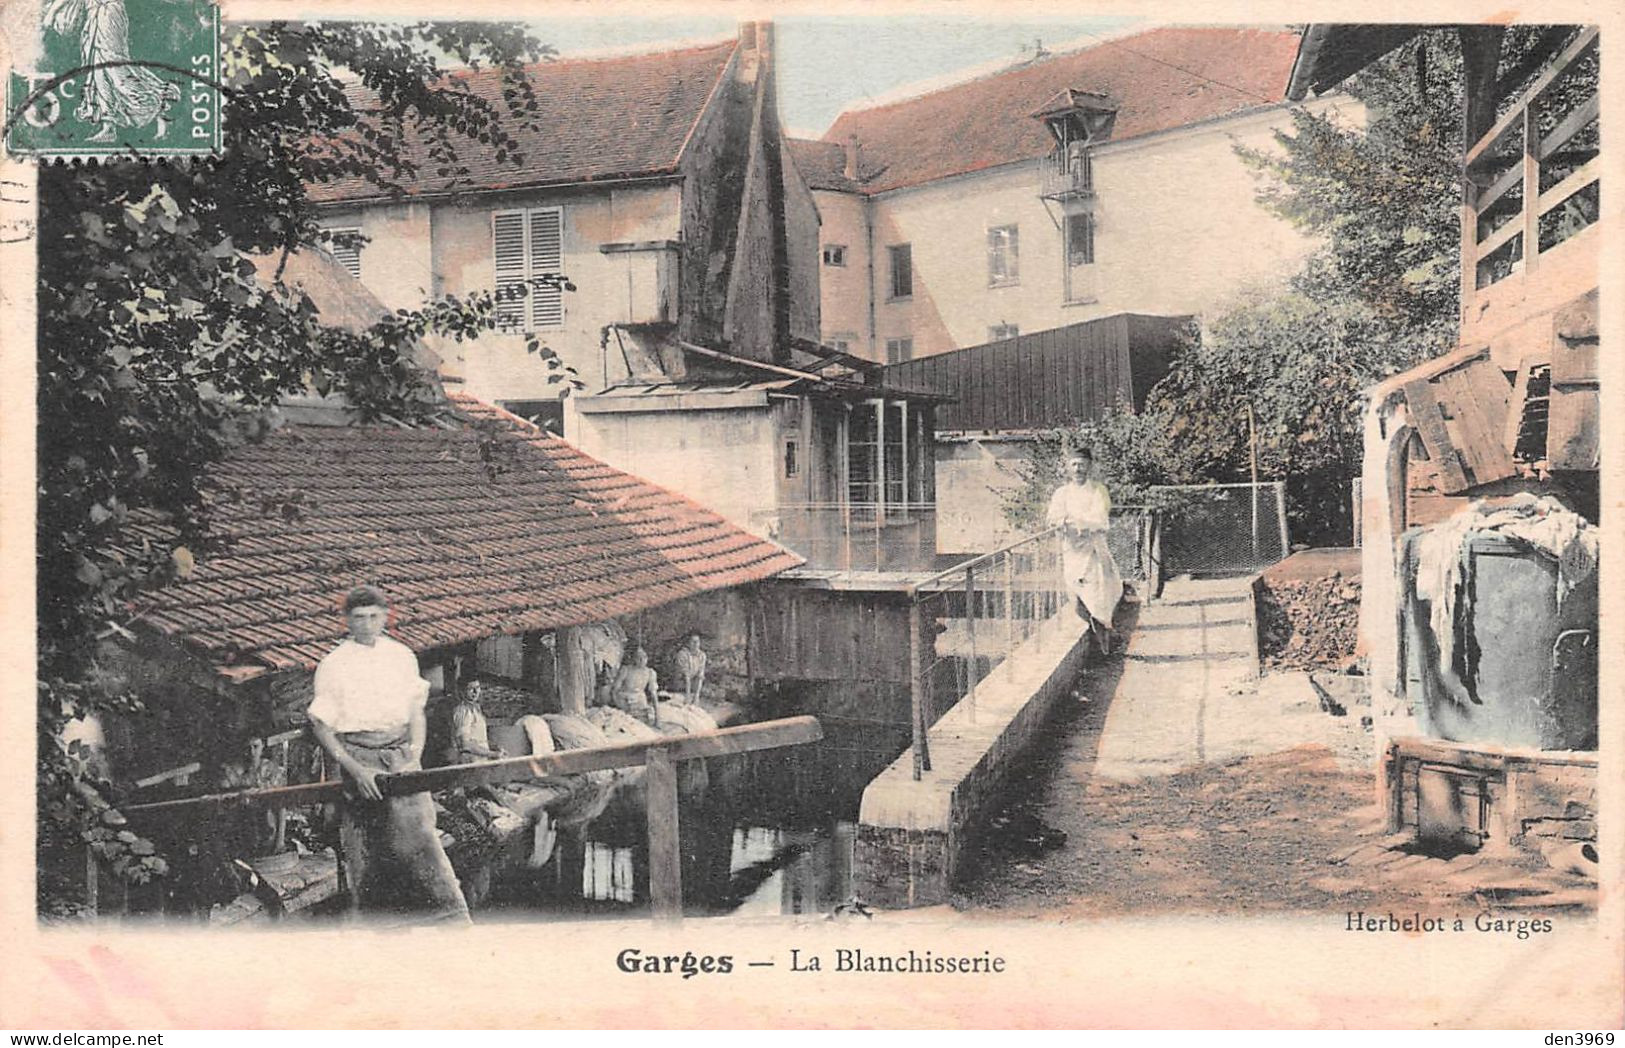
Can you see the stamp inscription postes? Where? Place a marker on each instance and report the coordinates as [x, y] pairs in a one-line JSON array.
[[119, 77]]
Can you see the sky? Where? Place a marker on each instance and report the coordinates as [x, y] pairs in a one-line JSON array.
[[827, 64]]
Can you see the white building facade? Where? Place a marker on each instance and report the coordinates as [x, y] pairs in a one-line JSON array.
[[1083, 185]]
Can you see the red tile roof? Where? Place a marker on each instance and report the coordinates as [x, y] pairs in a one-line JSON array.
[[1160, 80], [823, 164], [597, 119], [490, 527]]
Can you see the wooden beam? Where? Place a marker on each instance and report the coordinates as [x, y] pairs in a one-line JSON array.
[[665, 854], [1485, 197], [1549, 43], [1486, 757], [1582, 43], [1513, 227], [1577, 180], [1531, 187], [1515, 406], [790, 731], [1429, 422], [1481, 54], [1572, 124]]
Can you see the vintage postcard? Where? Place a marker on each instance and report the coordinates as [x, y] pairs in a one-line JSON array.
[[925, 516]]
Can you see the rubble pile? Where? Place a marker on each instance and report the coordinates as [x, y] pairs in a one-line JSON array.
[[1308, 623]]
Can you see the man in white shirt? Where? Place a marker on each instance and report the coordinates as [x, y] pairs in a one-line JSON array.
[[368, 715], [1082, 509]]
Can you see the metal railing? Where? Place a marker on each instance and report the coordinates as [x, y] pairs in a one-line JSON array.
[[1065, 173], [1357, 505], [1533, 180], [965, 621], [855, 536]]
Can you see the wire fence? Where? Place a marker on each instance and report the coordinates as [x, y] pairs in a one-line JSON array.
[[1221, 528], [967, 620]]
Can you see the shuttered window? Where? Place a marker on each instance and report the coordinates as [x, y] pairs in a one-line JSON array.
[[347, 255], [528, 244]]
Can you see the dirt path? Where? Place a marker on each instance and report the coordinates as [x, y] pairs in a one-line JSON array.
[[1291, 826]]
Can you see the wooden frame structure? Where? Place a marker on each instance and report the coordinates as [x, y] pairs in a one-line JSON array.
[[658, 756]]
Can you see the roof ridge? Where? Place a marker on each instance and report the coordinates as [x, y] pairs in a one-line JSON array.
[[465, 72], [705, 107], [1011, 70]]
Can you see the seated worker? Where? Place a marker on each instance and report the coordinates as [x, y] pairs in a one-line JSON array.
[[635, 690], [470, 737], [368, 716]]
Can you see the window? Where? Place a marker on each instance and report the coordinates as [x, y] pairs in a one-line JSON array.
[[347, 255], [1079, 234], [902, 270], [884, 438], [840, 343], [1080, 240], [1000, 332], [528, 243], [1003, 249], [834, 254], [899, 350], [548, 414], [894, 457], [791, 465]]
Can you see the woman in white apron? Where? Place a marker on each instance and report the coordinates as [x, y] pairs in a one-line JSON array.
[[1081, 507]]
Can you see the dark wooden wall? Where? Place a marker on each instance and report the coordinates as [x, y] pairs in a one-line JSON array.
[[1048, 378]]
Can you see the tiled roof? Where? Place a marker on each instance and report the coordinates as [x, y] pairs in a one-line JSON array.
[[489, 527], [341, 301], [597, 119], [822, 164], [1160, 80]]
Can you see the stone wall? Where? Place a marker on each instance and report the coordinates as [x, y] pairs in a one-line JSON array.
[[1461, 797], [912, 833]]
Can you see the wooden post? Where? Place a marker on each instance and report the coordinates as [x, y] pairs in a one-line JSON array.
[[1252, 452], [665, 854], [846, 535], [1393, 784], [1480, 54], [1009, 605], [93, 883], [916, 687], [1531, 187], [1280, 507], [970, 631]]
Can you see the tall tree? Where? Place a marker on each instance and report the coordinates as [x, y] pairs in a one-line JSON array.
[[157, 338]]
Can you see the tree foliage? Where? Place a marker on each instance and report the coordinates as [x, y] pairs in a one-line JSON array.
[[1380, 295], [158, 340]]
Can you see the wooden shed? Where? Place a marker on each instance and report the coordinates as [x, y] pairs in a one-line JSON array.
[[1060, 377]]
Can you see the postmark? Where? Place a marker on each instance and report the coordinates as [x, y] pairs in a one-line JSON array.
[[116, 77]]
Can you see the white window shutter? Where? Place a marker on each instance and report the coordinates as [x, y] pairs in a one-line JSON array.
[[348, 256], [508, 242], [546, 256]]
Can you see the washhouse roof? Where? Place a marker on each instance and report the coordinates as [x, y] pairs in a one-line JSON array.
[[487, 526]]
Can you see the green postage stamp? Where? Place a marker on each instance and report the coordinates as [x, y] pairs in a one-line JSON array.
[[116, 78]]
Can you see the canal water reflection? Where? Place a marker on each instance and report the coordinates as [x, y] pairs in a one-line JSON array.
[[771, 835]]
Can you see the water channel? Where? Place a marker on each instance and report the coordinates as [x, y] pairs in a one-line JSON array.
[[771, 835]]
